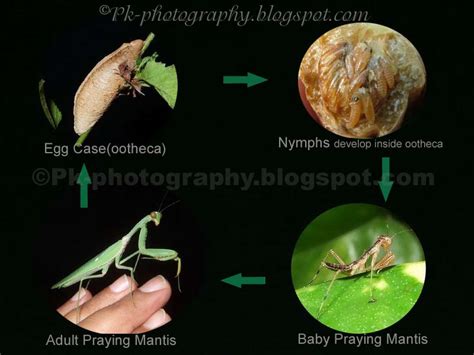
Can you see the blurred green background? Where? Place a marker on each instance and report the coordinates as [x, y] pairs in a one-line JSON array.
[[349, 230]]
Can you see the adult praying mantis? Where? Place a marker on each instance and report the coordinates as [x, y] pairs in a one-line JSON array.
[[98, 266], [382, 243]]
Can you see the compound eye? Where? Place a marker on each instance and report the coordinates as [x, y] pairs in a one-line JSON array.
[[153, 215]]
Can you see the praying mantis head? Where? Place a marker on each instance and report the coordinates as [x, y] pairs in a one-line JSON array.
[[155, 217], [385, 241]]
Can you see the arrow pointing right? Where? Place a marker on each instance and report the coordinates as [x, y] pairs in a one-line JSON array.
[[250, 79]]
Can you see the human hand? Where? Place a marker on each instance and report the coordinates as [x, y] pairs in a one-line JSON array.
[[114, 310]]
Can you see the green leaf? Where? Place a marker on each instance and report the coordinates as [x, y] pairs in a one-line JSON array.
[[163, 78], [347, 306], [51, 111], [55, 112], [141, 62]]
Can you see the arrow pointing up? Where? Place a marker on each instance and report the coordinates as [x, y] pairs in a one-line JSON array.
[[385, 184], [84, 180]]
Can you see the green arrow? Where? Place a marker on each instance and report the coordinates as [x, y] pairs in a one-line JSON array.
[[238, 280], [385, 184], [84, 179], [250, 79]]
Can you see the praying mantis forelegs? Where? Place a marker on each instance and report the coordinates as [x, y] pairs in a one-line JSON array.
[[158, 254], [387, 260], [165, 255]]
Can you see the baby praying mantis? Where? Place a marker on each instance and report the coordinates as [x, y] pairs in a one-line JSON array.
[[383, 243], [98, 266]]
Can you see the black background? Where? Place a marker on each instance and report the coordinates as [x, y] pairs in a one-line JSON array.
[[214, 127]]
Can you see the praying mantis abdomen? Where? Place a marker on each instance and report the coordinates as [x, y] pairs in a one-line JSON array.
[[95, 264]]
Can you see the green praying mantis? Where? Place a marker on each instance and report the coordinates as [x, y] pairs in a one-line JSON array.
[[98, 266]]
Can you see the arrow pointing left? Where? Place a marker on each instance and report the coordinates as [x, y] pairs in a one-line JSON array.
[[238, 280], [84, 180]]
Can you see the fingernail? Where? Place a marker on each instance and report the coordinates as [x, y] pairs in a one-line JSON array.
[[155, 284], [79, 294], [121, 284], [158, 319]]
